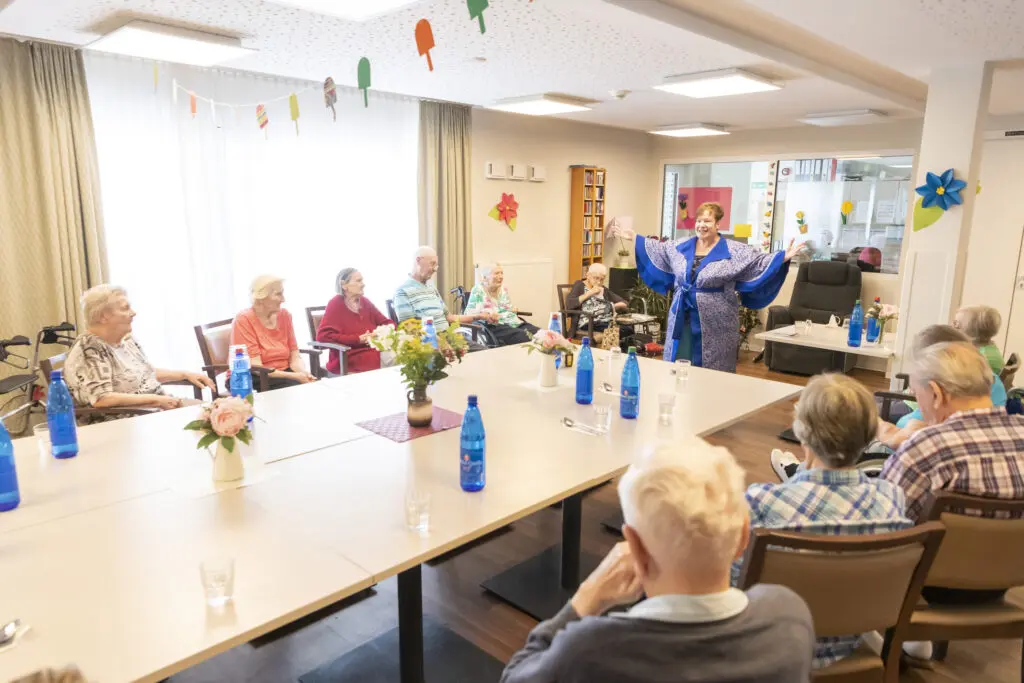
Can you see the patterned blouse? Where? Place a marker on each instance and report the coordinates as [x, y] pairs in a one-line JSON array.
[[95, 368], [482, 302]]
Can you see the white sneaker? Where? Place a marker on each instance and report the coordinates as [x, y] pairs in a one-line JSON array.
[[921, 649], [785, 464]]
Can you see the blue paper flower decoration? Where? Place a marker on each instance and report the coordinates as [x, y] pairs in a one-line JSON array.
[[942, 191]]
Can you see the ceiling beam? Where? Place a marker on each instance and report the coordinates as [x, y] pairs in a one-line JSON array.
[[748, 28]]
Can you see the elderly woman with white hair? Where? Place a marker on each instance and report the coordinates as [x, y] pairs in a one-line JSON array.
[[106, 367], [686, 521], [267, 332], [349, 320], [491, 298], [597, 302]]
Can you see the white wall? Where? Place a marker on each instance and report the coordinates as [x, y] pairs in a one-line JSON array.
[[542, 233]]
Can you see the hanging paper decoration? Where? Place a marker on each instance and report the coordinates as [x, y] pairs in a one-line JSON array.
[[938, 194], [506, 210], [331, 96], [425, 40], [293, 105], [262, 119], [800, 224], [192, 103], [363, 76], [476, 11], [845, 209]]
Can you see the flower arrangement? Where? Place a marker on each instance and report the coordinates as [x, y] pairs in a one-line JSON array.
[[883, 313], [549, 342], [224, 420], [420, 362], [845, 209], [800, 223]]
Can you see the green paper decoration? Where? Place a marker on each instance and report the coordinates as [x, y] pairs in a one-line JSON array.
[[925, 216], [476, 11], [363, 74]]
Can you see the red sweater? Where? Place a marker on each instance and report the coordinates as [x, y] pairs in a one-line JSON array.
[[341, 326]]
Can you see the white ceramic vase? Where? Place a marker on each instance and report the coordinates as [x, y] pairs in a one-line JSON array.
[[548, 371], [228, 465]]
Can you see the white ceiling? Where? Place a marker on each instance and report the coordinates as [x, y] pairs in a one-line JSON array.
[[584, 48]]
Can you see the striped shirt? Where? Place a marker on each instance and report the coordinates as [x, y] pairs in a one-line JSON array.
[[416, 300], [833, 503], [977, 452]]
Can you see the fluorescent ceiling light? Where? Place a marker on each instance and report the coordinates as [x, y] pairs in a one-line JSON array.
[[717, 84], [844, 118], [542, 105], [691, 130], [170, 44], [901, 166], [354, 10]]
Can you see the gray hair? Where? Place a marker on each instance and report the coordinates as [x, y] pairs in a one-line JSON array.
[[597, 269], [96, 301], [484, 272], [957, 368], [980, 323], [687, 501], [936, 334], [836, 418], [344, 275]]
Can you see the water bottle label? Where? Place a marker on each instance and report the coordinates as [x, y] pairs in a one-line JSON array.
[[472, 466]]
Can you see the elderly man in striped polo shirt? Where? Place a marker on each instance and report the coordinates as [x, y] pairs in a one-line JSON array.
[[414, 298]]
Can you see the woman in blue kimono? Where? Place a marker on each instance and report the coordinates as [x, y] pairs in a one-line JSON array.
[[706, 271]]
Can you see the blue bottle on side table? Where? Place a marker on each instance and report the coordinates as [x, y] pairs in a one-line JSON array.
[[856, 325]]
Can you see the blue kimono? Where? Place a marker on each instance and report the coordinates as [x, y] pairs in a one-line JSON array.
[[703, 321]]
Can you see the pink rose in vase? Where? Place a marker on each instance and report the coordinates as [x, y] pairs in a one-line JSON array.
[[229, 416]]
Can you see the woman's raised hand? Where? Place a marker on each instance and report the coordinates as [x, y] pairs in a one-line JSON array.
[[794, 249], [616, 230]]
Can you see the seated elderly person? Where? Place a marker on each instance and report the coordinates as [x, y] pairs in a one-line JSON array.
[[597, 302], [981, 324], [415, 298], [490, 297], [349, 319], [267, 332], [685, 522], [106, 367], [836, 418]]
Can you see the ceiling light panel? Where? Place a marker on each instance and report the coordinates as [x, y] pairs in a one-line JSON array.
[[541, 105], [717, 84], [162, 43], [690, 130]]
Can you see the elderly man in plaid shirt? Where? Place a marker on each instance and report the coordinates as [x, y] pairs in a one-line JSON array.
[[835, 420], [970, 446]]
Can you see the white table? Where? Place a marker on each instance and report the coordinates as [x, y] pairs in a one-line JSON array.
[[829, 338], [106, 537]]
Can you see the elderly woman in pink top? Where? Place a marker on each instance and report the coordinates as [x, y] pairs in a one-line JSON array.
[[266, 330]]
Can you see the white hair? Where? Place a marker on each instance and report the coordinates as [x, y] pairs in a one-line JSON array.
[[956, 367], [686, 502], [484, 272], [262, 286], [597, 269], [425, 251], [96, 301]]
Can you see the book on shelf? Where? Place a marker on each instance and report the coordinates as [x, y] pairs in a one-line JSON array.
[[588, 208], [600, 177], [586, 250], [598, 249], [588, 178], [586, 237], [600, 193], [600, 208]]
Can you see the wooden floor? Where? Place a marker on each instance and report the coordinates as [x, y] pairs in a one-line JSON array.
[[452, 595]]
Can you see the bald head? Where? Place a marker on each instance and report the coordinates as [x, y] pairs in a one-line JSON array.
[[424, 264]]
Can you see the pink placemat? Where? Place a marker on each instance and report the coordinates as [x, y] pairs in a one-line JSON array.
[[396, 427]]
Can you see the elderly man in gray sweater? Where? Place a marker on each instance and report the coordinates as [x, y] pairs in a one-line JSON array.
[[686, 521]]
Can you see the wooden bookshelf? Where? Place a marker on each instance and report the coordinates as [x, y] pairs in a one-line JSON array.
[[586, 219]]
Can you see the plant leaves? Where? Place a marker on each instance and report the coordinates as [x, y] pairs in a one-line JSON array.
[[196, 425], [207, 440], [925, 216], [245, 436], [493, 213], [229, 443], [251, 398]]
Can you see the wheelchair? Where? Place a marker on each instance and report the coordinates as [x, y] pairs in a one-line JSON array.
[[23, 393]]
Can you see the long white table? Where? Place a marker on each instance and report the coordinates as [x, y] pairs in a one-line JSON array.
[[102, 558]]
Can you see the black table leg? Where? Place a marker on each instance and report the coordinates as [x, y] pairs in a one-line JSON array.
[[410, 625], [541, 585]]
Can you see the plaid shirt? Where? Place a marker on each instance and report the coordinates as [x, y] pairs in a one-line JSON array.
[[976, 452], [828, 502]]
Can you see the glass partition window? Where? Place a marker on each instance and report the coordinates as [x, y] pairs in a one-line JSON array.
[[845, 209]]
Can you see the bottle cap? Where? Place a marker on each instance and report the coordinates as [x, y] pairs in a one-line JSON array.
[[586, 341], [56, 374], [472, 399], [632, 349], [428, 321], [238, 353], [554, 316]]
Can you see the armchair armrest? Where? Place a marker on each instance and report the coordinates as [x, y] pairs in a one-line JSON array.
[[889, 398], [523, 313], [100, 412], [778, 316], [579, 313], [259, 373], [340, 348], [314, 362], [904, 378]]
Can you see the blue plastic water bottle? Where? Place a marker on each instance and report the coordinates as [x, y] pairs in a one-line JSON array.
[[873, 327], [429, 333], [856, 325], [472, 449], [10, 496], [241, 374], [629, 400], [556, 326], [585, 374], [60, 416]]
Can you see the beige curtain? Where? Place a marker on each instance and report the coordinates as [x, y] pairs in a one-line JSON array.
[[445, 141], [51, 234]]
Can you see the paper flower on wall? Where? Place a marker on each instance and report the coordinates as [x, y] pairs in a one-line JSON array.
[[506, 210], [800, 223], [938, 194], [845, 209], [683, 197]]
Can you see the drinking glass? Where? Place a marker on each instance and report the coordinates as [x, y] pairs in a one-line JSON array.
[[41, 432], [682, 368], [602, 417], [218, 575], [417, 511], [614, 364], [666, 406]]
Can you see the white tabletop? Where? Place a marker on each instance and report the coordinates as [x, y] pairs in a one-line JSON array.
[[102, 559], [830, 338]]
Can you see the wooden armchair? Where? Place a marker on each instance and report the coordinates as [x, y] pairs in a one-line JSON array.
[[214, 343], [851, 584], [571, 318], [314, 316]]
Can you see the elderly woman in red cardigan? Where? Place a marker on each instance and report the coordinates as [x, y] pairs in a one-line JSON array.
[[349, 320]]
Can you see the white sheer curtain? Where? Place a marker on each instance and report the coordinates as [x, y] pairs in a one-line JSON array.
[[196, 207]]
